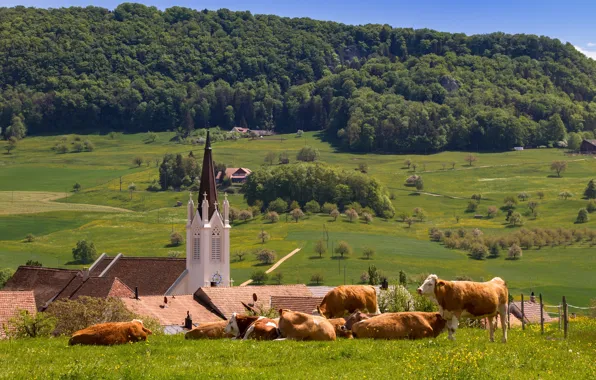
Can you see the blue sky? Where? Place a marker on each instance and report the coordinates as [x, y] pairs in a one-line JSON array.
[[570, 21]]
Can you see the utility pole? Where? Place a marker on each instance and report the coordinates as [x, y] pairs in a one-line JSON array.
[[120, 183]]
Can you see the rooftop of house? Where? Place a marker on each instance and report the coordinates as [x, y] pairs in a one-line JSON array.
[[11, 302], [302, 304], [173, 312], [531, 312], [234, 172], [592, 142]]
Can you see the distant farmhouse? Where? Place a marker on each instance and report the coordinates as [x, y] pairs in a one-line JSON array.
[[236, 175], [588, 146], [255, 132]]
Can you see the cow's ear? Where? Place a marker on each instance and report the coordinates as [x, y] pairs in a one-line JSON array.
[[440, 283], [281, 311]]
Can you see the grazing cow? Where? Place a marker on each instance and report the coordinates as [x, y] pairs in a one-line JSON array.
[[301, 326], [255, 327], [210, 330], [469, 299], [340, 332], [348, 298], [406, 325], [110, 333]]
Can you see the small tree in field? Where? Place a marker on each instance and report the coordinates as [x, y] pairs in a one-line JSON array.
[[591, 207], [308, 154], [403, 278], [84, 252], [316, 278], [565, 194], [138, 160], [472, 206], [263, 236], [414, 166], [352, 214], [492, 211], [334, 214], [368, 218], [453, 163], [516, 219], [245, 215], [558, 167], [176, 238], [270, 158], [408, 163], [409, 221], [470, 159], [343, 249], [259, 277], [278, 205], [312, 207], [533, 205], [76, 187], [320, 247], [514, 252], [328, 207], [582, 216], [523, 196], [297, 214], [266, 256], [151, 136], [30, 238], [278, 278], [272, 216], [368, 253], [131, 188], [540, 194], [419, 184], [233, 214], [590, 192], [11, 144]]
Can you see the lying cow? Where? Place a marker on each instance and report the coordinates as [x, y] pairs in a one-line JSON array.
[[210, 330], [302, 326], [468, 299], [338, 324], [252, 327], [348, 298], [106, 334], [406, 325]]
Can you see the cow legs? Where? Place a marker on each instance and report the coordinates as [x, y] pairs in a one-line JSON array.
[[503, 315], [491, 328], [452, 326], [249, 331]]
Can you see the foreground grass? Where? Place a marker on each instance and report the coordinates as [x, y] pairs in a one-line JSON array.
[[527, 355]]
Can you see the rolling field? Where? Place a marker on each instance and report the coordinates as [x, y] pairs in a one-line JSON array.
[[34, 182], [527, 355]]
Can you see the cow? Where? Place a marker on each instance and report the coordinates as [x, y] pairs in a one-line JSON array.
[[337, 324], [209, 330], [476, 300], [301, 326], [405, 325], [255, 327], [106, 334], [348, 298]]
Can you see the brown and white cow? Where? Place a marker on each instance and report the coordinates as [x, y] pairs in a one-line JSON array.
[[468, 299], [209, 330], [252, 327], [406, 325], [338, 324], [346, 299], [110, 333], [301, 326]]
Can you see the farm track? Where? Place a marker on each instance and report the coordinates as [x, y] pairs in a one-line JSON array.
[[31, 202], [277, 264]]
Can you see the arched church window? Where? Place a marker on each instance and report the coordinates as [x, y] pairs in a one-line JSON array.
[[196, 250], [216, 245]]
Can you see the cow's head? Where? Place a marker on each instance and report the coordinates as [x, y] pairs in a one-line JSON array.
[[137, 321], [232, 326], [428, 286], [355, 317]]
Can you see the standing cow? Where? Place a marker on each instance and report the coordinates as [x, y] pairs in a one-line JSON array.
[[346, 299], [469, 299], [301, 326], [405, 325], [110, 333]]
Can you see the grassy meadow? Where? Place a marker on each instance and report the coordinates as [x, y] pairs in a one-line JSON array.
[[36, 197], [527, 355]]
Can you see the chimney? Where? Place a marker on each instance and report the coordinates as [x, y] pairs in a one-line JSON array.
[[188, 321], [384, 284], [136, 292], [213, 284], [85, 273], [532, 298]]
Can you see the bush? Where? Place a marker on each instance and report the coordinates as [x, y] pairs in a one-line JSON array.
[[419, 184], [343, 249], [367, 217], [590, 192], [492, 211], [78, 146], [263, 236], [5, 275], [272, 217], [297, 214], [278, 278], [259, 277], [278, 205], [364, 278], [582, 216], [138, 160], [25, 325], [437, 235], [89, 146], [308, 154], [61, 148], [265, 256], [328, 207], [368, 253], [472, 206], [478, 251], [591, 207], [245, 215], [351, 214], [312, 207], [176, 238], [395, 299], [565, 194], [30, 238], [363, 167], [233, 214], [320, 247], [84, 252], [316, 278], [334, 214], [514, 252], [33, 263], [154, 186]]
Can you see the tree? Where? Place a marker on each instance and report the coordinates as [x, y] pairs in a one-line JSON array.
[[343, 249], [492, 211], [414, 166], [278, 205], [245, 215], [30, 238], [233, 214], [409, 221], [131, 188], [470, 159], [76, 187], [272, 217], [61, 148], [151, 136], [590, 192], [540, 194], [259, 277], [523, 196], [472, 206], [582, 216], [278, 278], [16, 128], [263, 236], [373, 275], [559, 167], [266, 256], [328, 207], [403, 278], [294, 205], [591, 207], [176, 238], [308, 154], [351, 214], [516, 219], [270, 158], [478, 251], [312, 207], [316, 278], [25, 325], [532, 205], [297, 214], [363, 167], [78, 146], [239, 255], [138, 160], [84, 252], [320, 247], [574, 141], [368, 253], [419, 184], [89, 146], [453, 163], [408, 163], [514, 252], [334, 214], [5, 275], [555, 130], [284, 159], [11, 144], [368, 218], [565, 194]]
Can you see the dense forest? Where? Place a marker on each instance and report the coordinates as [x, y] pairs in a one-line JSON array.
[[369, 88]]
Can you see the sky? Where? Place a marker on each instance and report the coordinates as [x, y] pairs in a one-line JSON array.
[[570, 21]]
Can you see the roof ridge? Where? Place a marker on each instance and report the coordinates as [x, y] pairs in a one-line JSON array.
[[48, 268]]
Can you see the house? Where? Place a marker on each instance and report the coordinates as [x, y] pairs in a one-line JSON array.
[[518, 148], [236, 175], [588, 146], [531, 312], [240, 130], [11, 303]]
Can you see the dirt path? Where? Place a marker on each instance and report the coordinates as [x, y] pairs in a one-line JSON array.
[[31, 202], [274, 266]]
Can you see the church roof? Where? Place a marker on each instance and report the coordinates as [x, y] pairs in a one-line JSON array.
[[207, 185]]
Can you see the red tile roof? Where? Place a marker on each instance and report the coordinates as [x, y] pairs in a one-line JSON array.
[[96, 271], [11, 302], [102, 287], [45, 282], [227, 300], [174, 313], [531, 312], [301, 304]]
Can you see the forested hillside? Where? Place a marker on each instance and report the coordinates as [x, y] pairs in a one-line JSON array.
[[372, 87]]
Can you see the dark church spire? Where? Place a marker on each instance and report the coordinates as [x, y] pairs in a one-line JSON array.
[[207, 180]]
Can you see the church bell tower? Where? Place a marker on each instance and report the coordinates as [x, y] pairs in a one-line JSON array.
[[207, 233]]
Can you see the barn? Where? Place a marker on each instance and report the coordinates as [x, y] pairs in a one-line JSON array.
[[588, 146]]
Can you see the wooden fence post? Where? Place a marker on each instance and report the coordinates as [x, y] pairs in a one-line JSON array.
[[565, 320], [559, 311], [523, 315], [541, 315]]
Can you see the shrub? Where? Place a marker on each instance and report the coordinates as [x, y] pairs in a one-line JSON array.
[[312, 207], [294, 205], [540, 194], [395, 299], [233, 214], [89, 146], [523, 196], [25, 325], [476, 233], [263, 236], [494, 250], [272, 217], [356, 206], [472, 206], [259, 277], [591, 207], [509, 202], [320, 247], [367, 217], [411, 180], [368, 253], [30, 238], [78, 146], [33, 263], [176, 238], [363, 167], [582, 216], [364, 278], [84, 252], [478, 251], [437, 235], [308, 154], [328, 207], [278, 278], [278, 205], [154, 186], [5, 275], [343, 249], [514, 252], [138, 160], [316, 278], [297, 214], [245, 215], [334, 214], [590, 191], [492, 211], [516, 219], [419, 184], [265, 256], [565, 194], [351, 214], [61, 148], [476, 197]]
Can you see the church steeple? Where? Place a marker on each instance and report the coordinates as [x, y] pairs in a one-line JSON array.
[[208, 181]]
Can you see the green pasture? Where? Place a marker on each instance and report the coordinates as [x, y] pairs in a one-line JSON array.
[[528, 354]]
